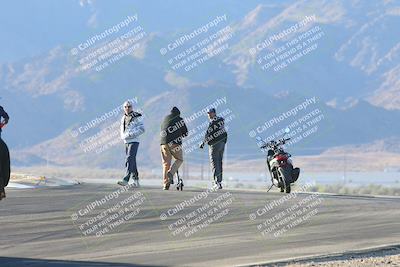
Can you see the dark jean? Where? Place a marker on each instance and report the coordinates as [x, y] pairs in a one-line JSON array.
[[130, 163], [216, 155], [4, 165]]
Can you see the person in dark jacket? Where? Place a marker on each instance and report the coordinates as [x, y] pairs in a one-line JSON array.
[[4, 168], [216, 137], [3, 118], [173, 130], [4, 156]]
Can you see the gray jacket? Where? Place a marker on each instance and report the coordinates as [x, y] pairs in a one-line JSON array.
[[131, 131]]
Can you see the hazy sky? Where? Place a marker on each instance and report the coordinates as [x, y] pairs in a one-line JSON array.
[[29, 28]]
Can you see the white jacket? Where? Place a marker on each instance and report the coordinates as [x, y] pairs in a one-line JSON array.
[[133, 130]]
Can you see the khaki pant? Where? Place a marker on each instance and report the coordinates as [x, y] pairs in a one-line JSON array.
[[167, 152]]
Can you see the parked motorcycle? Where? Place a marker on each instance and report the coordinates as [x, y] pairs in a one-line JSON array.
[[279, 164]]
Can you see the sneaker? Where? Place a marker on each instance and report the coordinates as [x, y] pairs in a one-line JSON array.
[[136, 183], [218, 185], [170, 177], [166, 187], [215, 186], [122, 183]]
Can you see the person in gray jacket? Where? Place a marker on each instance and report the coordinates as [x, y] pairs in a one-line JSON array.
[[130, 130], [216, 137]]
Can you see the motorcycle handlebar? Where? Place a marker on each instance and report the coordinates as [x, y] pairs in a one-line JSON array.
[[274, 143], [283, 140]]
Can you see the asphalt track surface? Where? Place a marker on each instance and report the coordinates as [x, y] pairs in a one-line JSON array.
[[57, 226]]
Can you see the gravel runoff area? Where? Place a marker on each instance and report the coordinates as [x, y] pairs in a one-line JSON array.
[[383, 256]]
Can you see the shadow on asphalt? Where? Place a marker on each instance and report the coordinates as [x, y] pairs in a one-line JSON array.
[[22, 262]]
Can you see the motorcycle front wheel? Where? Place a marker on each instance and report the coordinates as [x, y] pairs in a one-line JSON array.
[[285, 175]]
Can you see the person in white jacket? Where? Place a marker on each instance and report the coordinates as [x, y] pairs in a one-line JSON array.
[[130, 130]]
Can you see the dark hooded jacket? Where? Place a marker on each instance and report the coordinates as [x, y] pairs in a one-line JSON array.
[[173, 128], [4, 115]]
